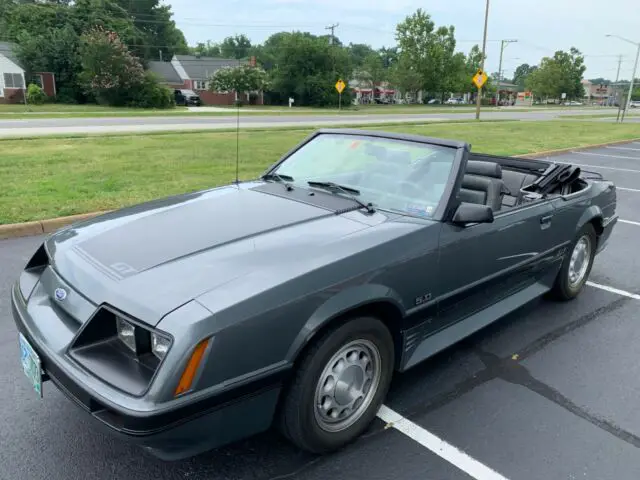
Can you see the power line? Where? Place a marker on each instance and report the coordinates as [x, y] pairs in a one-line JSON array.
[[332, 28]]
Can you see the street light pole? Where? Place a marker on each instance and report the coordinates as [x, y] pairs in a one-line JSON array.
[[484, 49], [633, 75]]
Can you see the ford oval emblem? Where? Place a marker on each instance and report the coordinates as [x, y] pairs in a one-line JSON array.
[[60, 294]]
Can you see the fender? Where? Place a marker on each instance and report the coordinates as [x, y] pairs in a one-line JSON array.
[[591, 213], [340, 303]]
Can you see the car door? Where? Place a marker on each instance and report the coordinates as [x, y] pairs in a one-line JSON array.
[[482, 264]]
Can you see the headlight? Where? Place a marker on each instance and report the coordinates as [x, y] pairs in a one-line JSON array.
[[159, 345], [126, 333]]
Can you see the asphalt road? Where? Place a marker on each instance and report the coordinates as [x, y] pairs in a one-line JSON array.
[[549, 392], [62, 126]]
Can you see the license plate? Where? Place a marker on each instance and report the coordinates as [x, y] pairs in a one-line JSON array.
[[31, 365]]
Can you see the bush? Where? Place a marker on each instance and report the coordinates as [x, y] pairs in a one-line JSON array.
[[149, 93], [35, 95]]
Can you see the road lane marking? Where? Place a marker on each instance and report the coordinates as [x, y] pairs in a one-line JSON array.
[[438, 446], [625, 148], [617, 291], [624, 189], [604, 155], [598, 166], [630, 222]]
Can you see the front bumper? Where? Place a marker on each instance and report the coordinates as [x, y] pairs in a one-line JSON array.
[[168, 433]]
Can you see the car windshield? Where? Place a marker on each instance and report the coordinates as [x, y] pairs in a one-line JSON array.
[[391, 174]]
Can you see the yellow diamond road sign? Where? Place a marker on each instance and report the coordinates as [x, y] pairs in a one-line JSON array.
[[480, 78], [340, 86]]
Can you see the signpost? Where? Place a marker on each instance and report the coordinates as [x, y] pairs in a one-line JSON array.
[[479, 79], [340, 86]]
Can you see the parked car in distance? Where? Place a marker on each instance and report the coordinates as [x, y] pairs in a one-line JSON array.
[[454, 101], [193, 321], [634, 104], [187, 98]]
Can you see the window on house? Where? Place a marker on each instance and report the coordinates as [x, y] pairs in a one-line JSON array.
[[36, 80], [13, 80], [200, 85]]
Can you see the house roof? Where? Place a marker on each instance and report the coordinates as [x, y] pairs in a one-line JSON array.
[[201, 68], [7, 49], [166, 71]]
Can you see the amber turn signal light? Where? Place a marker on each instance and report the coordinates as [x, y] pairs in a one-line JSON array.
[[192, 367]]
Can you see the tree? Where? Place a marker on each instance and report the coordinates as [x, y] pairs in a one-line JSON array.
[[109, 71], [559, 74], [428, 52], [236, 47], [521, 74], [359, 52], [208, 49], [240, 79], [372, 71], [305, 67]]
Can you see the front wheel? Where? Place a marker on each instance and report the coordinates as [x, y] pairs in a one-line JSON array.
[[576, 267], [339, 386]]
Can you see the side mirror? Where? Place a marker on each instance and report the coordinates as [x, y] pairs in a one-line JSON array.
[[472, 213]]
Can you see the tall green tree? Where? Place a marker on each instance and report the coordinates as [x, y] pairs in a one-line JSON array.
[[305, 67], [236, 47], [429, 52], [359, 52], [372, 72], [521, 74], [559, 74]]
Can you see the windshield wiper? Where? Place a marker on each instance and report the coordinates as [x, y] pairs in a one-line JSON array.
[[279, 178], [349, 191]]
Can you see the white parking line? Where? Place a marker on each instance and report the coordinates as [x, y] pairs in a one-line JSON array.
[[614, 290], [630, 222], [597, 166], [624, 189], [624, 148], [438, 446], [604, 155]]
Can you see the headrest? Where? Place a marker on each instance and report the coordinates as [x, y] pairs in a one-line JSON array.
[[486, 169], [476, 182]]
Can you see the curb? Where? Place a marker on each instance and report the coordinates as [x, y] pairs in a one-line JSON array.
[[39, 227]]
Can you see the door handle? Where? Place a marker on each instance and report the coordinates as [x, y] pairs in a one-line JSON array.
[[546, 220]]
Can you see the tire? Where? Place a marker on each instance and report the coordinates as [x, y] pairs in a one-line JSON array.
[[309, 426], [564, 288]]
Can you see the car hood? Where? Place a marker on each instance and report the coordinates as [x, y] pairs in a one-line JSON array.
[[150, 259]]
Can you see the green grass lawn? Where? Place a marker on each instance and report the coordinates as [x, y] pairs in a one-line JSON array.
[[51, 177], [21, 111]]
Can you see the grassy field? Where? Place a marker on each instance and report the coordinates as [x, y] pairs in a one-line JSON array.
[[50, 177], [20, 111]]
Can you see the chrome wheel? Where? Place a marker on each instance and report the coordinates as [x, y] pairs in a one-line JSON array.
[[579, 261], [347, 385]]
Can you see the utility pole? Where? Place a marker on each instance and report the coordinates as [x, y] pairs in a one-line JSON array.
[[484, 49], [332, 28], [503, 45], [619, 65], [633, 75]]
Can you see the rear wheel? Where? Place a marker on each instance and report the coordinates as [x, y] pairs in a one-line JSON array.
[[339, 386], [576, 266]]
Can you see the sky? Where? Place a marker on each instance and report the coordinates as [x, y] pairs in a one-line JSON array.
[[540, 27]]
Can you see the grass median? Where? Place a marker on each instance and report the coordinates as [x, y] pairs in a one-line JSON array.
[[51, 177]]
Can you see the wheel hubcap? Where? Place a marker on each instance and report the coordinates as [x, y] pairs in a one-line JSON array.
[[579, 262], [347, 385]]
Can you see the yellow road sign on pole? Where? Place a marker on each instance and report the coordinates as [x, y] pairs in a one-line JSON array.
[[340, 85], [479, 79]]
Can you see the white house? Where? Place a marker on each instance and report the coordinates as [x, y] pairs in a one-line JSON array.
[[12, 82]]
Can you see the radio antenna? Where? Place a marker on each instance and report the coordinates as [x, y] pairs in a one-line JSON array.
[[237, 141]]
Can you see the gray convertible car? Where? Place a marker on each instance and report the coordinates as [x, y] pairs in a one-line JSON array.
[[193, 321]]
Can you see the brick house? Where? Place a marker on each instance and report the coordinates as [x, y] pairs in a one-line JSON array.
[[14, 79], [192, 72]]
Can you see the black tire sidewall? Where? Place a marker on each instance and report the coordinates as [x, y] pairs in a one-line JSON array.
[[363, 328], [563, 289]]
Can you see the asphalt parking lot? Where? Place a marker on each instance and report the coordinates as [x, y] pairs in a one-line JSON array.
[[549, 392]]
